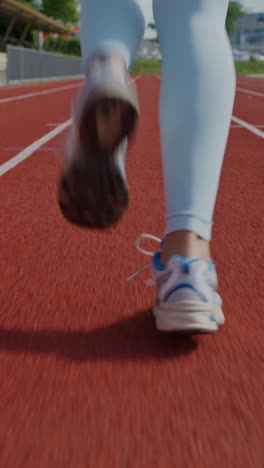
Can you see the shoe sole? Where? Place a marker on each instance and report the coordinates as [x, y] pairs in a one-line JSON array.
[[102, 97], [185, 318], [92, 192]]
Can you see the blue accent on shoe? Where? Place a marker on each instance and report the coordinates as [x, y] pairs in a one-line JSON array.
[[212, 318], [156, 262], [183, 286], [211, 266], [186, 262]]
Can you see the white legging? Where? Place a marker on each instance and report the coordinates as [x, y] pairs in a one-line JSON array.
[[197, 93]]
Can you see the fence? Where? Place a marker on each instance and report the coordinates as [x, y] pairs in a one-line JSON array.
[[29, 65]]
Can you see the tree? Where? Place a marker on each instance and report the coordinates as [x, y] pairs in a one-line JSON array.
[[27, 2], [65, 10], [17, 29], [235, 10], [153, 28]]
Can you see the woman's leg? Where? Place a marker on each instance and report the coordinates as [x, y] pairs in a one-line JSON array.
[[114, 26], [197, 95]]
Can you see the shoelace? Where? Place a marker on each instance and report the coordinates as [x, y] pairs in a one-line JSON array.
[[149, 282]]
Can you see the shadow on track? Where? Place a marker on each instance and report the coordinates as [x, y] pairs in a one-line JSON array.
[[133, 338]]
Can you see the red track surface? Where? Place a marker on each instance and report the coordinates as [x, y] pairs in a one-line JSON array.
[[86, 381]]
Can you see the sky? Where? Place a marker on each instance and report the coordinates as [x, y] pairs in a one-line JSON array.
[[250, 5]]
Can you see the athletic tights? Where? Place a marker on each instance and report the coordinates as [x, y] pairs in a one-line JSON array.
[[197, 93]]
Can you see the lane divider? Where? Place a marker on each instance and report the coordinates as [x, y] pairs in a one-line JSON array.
[[45, 92], [243, 123], [22, 148], [38, 93], [248, 126], [249, 91], [27, 152]]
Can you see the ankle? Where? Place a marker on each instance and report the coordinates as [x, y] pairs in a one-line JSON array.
[[110, 58], [184, 243], [117, 60]]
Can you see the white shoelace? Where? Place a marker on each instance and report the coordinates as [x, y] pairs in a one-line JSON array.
[[145, 252], [151, 281]]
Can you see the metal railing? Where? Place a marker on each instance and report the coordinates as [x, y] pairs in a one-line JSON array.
[[33, 65]]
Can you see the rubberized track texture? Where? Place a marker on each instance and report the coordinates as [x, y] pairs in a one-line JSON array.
[[86, 381]]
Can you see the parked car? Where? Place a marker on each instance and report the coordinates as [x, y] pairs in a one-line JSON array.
[[258, 57], [241, 56]]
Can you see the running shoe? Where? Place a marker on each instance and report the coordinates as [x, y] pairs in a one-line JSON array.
[[186, 298], [92, 189]]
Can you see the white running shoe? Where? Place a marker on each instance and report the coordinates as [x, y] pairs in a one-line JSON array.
[[92, 188], [186, 299]]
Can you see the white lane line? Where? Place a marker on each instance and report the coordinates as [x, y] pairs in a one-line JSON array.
[[258, 76], [13, 162], [37, 93], [241, 90], [137, 78], [20, 157], [249, 91], [44, 92], [248, 126]]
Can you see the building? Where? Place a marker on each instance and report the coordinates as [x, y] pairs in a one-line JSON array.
[[249, 33]]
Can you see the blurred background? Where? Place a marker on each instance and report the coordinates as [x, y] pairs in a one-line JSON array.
[[87, 382], [28, 28]]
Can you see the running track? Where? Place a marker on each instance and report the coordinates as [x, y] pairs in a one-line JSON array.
[[86, 381]]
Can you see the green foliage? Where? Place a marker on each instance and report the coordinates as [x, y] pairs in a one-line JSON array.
[[27, 2], [254, 67], [64, 10], [235, 10], [17, 30], [146, 67], [153, 66], [64, 46]]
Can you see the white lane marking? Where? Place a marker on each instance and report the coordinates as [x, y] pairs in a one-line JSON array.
[[20, 157], [249, 91], [258, 76], [37, 93], [248, 126], [13, 162], [137, 78], [241, 90], [46, 91]]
